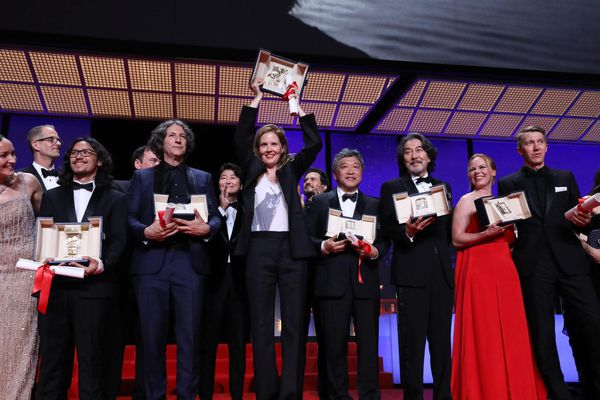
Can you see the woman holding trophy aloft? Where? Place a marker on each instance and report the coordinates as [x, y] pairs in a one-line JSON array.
[[275, 241]]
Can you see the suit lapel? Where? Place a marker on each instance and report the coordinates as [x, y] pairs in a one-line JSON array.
[[34, 172], [158, 178], [410, 185], [191, 181], [550, 184], [92, 207], [334, 200], [67, 194], [359, 210]]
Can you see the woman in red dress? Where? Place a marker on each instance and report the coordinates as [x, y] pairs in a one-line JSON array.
[[492, 357]]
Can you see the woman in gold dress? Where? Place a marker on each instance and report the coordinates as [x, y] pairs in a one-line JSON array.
[[20, 195]]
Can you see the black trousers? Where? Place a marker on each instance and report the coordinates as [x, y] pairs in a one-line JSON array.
[[335, 314], [583, 308], [313, 305], [270, 264], [70, 322], [425, 313], [177, 288], [225, 315]]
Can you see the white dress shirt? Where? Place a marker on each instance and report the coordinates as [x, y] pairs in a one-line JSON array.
[[50, 182]]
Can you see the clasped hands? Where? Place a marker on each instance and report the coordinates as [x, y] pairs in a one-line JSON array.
[[333, 246], [195, 227]]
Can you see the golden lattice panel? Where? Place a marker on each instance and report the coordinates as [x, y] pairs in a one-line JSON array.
[[593, 134], [153, 105], [465, 123], [518, 99], [554, 101], [150, 75], [480, 97], [195, 78], [109, 102], [324, 112], [196, 108], [543, 122], [64, 100], [570, 129], [501, 125], [587, 105], [442, 94], [349, 115], [396, 120], [14, 66], [323, 86], [103, 72], [429, 121], [412, 96], [229, 109], [58, 69], [234, 81], [363, 89], [274, 112], [19, 97]]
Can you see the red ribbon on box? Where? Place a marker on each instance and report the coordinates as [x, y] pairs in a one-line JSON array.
[[579, 207], [161, 214], [367, 249], [291, 90], [42, 282]]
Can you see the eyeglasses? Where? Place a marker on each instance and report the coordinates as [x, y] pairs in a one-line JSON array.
[[50, 139], [83, 153]]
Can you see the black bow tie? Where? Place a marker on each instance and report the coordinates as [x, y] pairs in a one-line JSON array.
[[49, 172], [85, 186], [352, 197], [426, 179]]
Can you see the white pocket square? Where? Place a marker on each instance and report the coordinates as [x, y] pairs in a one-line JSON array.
[[558, 189]]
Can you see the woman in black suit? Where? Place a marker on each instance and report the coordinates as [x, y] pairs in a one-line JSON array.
[[275, 241]]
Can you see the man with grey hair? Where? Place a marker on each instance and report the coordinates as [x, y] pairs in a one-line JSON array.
[[44, 143], [422, 272], [347, 280]]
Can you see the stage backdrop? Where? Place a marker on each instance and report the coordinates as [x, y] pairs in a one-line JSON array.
[[534, 35]]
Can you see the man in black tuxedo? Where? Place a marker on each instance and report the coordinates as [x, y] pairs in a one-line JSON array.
[[226, 304], [551, 261], [422, 272], [78, 313], [347, 281], [44, 143]]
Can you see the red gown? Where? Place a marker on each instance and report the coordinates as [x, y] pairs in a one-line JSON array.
[[492, 357]]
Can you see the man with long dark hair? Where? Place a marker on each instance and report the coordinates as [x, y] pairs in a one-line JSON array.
[[170, 260], [78, 314], [422, 272]]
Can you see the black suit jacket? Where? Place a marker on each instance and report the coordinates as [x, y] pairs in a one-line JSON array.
[[334, 272], [562, 194], [30, 169], [107, 203], [222, 249], [289, 175], [413, 262]]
